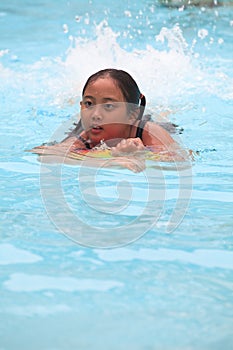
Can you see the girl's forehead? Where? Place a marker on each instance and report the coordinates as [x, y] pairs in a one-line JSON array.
[[105, 87]]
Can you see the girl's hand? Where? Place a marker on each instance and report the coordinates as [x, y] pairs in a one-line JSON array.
[[129, 153], [60, 149], [132, 146]]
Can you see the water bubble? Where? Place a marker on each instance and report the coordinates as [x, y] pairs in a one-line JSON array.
[[78, 18], [181, 8], [211, 40], [65, 28], [128, 14], [152, 9], [87, 20], [14, 58], [4, 52], [202, 33], [203, 109]]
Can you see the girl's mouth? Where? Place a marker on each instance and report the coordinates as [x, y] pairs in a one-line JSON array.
[[96, 129]]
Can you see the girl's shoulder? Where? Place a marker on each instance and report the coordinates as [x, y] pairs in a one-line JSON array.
[[155, 134], [170, 127]]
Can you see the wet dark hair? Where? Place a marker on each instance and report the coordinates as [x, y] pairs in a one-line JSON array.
[[126, 84]]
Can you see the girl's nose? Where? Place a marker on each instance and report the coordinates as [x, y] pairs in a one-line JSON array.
[[97, 116]]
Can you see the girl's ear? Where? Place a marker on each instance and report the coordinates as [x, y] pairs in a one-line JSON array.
[[81, 102]]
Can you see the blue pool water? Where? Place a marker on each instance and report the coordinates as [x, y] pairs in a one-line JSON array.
[[168, 283]]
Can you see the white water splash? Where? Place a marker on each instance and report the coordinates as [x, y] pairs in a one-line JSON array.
[[157, 72], [166, 76]]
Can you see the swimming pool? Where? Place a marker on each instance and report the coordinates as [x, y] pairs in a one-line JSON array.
[[167, 289]]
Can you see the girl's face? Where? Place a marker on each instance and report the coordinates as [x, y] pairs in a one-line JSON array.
[[104, 111]]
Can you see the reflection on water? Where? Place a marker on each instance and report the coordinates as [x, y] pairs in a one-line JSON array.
[[84, 203]]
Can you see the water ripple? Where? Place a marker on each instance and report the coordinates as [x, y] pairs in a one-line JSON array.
[[207, 258], [20, 282]]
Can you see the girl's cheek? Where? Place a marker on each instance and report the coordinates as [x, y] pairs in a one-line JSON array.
[[83, 122]]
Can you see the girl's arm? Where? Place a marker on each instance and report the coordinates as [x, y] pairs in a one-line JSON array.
[[154, 136], [154, 139]]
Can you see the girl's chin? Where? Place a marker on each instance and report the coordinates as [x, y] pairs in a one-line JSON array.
[[95, 140]]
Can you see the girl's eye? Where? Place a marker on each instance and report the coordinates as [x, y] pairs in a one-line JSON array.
[[109, 106], [87, 104]]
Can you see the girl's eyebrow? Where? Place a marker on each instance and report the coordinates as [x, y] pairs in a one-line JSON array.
[[87, 96], [111, 99], [105, 99]]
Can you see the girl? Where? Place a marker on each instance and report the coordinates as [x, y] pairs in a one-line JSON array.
[[112, 107], [112, 110]]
